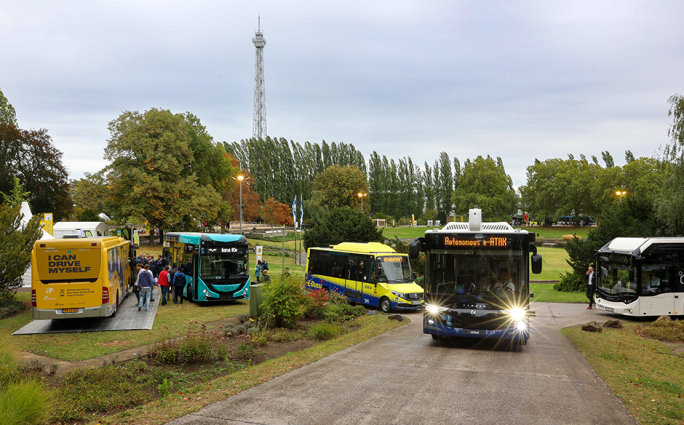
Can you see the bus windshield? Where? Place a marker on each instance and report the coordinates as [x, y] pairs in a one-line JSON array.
[[394, 269], [618, 278], [221, 267], [481, 276]]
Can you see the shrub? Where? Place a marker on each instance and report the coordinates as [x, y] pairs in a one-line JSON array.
[[245, 351], [665, 330], [570, 282], [24, 403], [194, 346], [322, 331], [284, 302], [8, 366]]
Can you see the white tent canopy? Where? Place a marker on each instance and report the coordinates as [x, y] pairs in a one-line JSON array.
[[82, 228], [26, 210]]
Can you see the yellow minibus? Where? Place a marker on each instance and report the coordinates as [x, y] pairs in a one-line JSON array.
[[79, 277], [366, 273]]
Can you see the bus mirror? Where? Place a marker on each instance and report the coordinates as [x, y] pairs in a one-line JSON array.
[[604, 259], [414, 248], [536, 264], [532, 295], [413, 276]]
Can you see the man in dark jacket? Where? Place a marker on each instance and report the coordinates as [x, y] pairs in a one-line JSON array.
[[178, 285], [590, 279]]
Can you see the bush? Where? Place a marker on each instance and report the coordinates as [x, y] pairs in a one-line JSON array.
[[322, 331], [570, 282], [665, 330], [338, 308], [245, 351], [284, 302], [194, 346], [24, 403], [318, 299]]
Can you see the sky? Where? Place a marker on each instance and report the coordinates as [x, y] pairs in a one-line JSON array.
[[515, 79]]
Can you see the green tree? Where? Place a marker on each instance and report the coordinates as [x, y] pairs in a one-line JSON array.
[[670, 203], [31, 156], [7, 113], [148, 184], [558, 187], [342, 225], [92, 193], [484, 182], [16, 243], [340, 187], [16, 195]]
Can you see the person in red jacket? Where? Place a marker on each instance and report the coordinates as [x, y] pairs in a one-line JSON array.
[[164, 284]]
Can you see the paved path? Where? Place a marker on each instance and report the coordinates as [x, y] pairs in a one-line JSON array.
[[404, 377]]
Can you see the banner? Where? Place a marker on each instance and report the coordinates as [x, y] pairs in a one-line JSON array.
[[294, 212], [301, 211]]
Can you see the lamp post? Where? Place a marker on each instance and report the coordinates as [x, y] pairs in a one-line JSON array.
[[240, 179], [362, 195], [619, 193]]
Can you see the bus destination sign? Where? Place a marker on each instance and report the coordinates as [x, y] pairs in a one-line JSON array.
[[490, 242]]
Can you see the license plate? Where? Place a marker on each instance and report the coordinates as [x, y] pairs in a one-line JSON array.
[[470, 332], [609, 309], [69, 310], [415, 302]]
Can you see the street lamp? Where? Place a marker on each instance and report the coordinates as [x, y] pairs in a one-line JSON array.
[[240, 179], [362, 195], [618, 193]]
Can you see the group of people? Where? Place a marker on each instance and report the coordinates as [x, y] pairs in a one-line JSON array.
[[261, 272], [149, 273]]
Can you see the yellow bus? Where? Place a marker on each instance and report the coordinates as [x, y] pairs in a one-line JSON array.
[[79, 277], [366, 273]]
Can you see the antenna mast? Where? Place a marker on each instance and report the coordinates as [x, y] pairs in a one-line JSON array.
[[259, 126]]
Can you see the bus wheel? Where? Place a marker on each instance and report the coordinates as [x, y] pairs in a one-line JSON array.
[[189, 292], [385, 305], [325, 288]]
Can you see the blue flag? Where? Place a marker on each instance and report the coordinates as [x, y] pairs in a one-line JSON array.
[[294, 210], [301, 210]]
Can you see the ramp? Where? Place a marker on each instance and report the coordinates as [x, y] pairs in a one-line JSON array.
[[127, 318]]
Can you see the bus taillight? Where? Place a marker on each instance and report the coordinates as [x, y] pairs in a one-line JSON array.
[[105, 295], [33, 298]]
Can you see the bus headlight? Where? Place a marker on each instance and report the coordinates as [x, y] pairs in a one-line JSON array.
[[521, 326], [516, 313], [434, 309], [398, 294]]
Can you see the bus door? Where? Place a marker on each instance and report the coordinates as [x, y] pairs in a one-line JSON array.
[[657, 295], [356, 276]]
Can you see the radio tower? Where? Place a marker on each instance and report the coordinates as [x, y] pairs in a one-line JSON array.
[[259, 130]]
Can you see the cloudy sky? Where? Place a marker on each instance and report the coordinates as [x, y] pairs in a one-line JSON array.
[[519, 80]]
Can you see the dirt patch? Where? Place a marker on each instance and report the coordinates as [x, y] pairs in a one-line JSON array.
[[676, 347], [115, 343]]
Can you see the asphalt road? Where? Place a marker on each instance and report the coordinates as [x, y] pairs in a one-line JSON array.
[[404, 377]]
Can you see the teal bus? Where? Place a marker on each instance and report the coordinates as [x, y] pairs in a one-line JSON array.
[[216, 265]]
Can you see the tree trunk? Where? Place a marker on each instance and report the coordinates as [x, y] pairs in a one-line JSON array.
[[161, 237], [152, 236]]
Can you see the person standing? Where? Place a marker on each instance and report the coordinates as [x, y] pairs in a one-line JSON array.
[[146, 284], [257, 271], [136, 288], [178, 285], [164, 284], [590, 279]]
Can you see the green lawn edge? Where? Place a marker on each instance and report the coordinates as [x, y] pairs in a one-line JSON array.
[[637, 370]]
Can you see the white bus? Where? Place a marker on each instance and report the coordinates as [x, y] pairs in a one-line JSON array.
[[641, 277]]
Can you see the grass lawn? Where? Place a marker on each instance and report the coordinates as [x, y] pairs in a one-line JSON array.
[[544, 293], [557, 232], [171, 319], [647, 380], [553, 263], [405, 232]]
